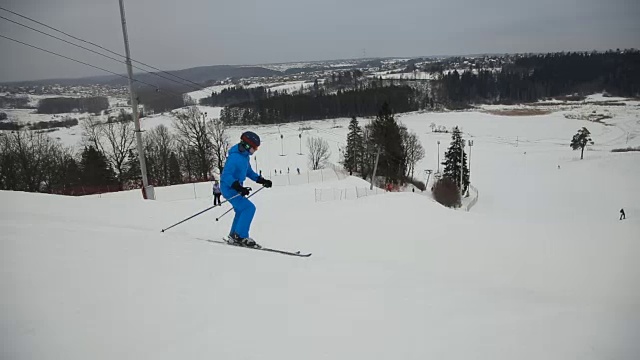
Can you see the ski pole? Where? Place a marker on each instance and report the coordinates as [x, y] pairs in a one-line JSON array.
[[205, 210], [226, 212]]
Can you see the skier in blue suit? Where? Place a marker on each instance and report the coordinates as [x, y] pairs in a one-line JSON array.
[[236, 169]]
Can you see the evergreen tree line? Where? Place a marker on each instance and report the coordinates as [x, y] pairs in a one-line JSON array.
[[14, 102], [535, 77], [40, 125], [397, 152], [66, 122], [59, 105], [396, 148], [527, 79], [33, 161], [237, 95], [241, 95], [455, 178], [364, 101], [345, 79], [162, 99]]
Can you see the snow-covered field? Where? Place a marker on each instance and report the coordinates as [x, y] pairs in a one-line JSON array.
[[70, 136], [313, 64], [540, 268], [415, 75], [289, 86]]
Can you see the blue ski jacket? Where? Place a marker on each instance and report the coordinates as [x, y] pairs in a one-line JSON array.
[[237, 168]]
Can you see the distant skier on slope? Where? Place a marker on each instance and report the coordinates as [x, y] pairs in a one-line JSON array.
[[216, 193], [236, 169], [622, 214]]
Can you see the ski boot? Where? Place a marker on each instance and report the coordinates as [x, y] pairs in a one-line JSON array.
[[234, 239]]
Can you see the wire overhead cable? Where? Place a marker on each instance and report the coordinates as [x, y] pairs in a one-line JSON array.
[[195, 86], [90, 50], [87, 64]]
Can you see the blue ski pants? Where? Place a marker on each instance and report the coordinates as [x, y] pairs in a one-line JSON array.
[[244, 210]]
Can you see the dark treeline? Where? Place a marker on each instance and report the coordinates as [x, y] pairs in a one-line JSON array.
[[8, 102], [396, 148], [342, 79], [615, 72], [232, 96], [65, 105], [67, 122], [11, 126], [299, 107], [161, 100], [108, 161], [526, 79], [40, 125], [535, 77], [33, 161]]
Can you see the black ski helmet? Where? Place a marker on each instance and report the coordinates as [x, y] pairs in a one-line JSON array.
[[250, 140]]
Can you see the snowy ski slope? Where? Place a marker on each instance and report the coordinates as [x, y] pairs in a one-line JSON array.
[[540, 268]]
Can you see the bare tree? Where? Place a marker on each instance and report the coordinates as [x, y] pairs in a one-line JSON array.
[[91, 131], [191, 131], [114, 139], [26, 159], [185, 158], [159, 144], [115, 143], [219, 142], [413, 151], [319, 152], [8, 172], [62, 168]]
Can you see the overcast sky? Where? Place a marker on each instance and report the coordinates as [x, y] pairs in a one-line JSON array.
[[177, 34]]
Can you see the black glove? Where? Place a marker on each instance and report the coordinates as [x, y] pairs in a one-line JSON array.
[[266, 183], [244, 191]]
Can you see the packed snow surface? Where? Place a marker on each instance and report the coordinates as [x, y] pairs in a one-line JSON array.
[[539, 268]]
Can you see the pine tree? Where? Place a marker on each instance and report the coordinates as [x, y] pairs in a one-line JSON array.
[[72, 174], [580, 140], [133, 172], [96, 170], [175, 176], [386, 135], [453, 163], [355, 146], [62, 172]]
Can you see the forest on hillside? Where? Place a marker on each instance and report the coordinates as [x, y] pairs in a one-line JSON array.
[[526, 79]]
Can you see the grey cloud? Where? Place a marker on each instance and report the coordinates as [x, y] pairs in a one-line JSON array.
[[173, 34]]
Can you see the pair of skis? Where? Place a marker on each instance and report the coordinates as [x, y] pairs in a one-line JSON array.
[[225, 241]]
